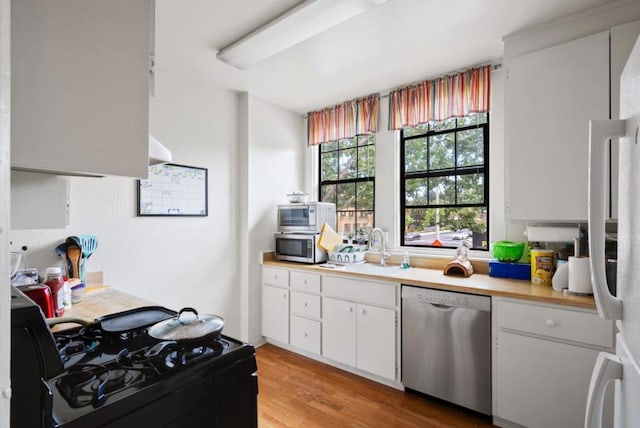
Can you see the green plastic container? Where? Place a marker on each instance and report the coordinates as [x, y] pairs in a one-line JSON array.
[[507, 251]]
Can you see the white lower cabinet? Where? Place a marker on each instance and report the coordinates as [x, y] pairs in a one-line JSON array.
[[305, 334], [543, 358], [376, 340], [275, 313], [357, 333], [339, 332]]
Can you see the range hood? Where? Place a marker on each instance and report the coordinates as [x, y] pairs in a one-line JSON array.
[[157, 152]]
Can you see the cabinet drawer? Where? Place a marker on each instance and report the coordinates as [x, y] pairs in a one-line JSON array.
[[306, 305], [375, 293], [275, 276], [556, 323], [307, 282], [305, 334]]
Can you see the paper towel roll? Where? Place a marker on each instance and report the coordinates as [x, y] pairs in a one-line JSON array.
[[580, 275]]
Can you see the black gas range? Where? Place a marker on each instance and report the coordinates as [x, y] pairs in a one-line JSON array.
[[90, 376]]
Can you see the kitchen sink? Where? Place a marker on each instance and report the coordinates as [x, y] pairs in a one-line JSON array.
[[374, 269]]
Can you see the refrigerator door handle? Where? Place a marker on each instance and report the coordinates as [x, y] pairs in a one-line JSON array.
[[609, 307], [608, 367]]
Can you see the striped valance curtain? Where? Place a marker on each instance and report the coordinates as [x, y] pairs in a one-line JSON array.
[[439, 99], [345, 120]]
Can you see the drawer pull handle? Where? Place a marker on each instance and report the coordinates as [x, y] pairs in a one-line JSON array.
[[549, 323]]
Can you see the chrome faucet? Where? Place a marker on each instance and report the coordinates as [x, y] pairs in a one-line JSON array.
[[384, 254]]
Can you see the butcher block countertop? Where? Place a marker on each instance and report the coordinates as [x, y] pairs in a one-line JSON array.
[[101, 301], [430, 274]]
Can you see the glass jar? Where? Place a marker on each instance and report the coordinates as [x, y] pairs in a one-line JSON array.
[[53, 279]]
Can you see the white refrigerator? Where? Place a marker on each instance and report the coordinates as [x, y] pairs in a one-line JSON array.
[[622, 368]]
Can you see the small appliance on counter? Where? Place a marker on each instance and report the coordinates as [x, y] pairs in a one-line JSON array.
[[300, 247], [306, 217]]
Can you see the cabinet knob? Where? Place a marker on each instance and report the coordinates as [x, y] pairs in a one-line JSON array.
[[350, 309], [306, 304], [363, 312], [284, 295], [305, 281], [549, 323], [306, 335]]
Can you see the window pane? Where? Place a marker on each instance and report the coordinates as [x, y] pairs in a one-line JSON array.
[[441, 149], [348, 166], [366, 161], [366, 139], [472, 119], [346, 197], [471, 147], [444, 125], [443, 190], [329, 166], [471, 189], [415, 155], [416, 191], [454, 226], [346, 224], [365, 195], [418, 130], [328, 193], [328, 147], [345, 144]]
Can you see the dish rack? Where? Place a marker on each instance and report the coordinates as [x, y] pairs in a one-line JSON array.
[[346, 258]]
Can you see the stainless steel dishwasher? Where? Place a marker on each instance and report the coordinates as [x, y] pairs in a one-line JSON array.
[[446, 346]]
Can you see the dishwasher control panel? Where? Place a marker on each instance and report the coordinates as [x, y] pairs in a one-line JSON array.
[[446, 298]]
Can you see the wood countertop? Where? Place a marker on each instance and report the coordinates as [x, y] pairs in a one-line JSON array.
[[478, 283], [101, 301]]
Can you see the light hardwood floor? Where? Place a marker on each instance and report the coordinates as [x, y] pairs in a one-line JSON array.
[[295, 391]]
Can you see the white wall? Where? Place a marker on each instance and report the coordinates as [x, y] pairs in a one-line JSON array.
[[276, 152], [176, 262]]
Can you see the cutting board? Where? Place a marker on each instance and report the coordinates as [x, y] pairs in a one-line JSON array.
[[328, 238]]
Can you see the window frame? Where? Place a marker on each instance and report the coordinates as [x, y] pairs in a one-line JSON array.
[[356, 213], [448, 172]]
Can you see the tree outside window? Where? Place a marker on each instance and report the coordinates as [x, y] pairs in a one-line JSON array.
[[444, 183], [347, 178]]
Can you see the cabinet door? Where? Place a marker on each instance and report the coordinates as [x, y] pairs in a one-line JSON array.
[[80, 86], [275, 313], [339, 330], [551, 95], [541, 383], [376, 340]]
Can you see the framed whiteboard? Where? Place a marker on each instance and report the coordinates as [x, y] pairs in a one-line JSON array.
[[173, 190]]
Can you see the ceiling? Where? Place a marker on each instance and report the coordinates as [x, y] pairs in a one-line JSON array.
[[398, 42]]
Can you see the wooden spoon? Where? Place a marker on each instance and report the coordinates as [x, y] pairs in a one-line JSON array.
[[74, 253]]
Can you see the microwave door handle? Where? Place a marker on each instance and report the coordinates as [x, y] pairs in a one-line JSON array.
[[609, 307]]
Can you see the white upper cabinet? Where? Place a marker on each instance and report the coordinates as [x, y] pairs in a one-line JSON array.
[[551, 94], [80, 86]]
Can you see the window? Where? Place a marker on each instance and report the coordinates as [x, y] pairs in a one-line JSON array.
[[444, 183], [347, 172]]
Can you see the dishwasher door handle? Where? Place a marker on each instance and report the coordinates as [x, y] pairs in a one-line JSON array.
[[445, 308]]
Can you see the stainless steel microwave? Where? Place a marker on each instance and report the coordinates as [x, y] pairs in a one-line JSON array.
[[299, 247], [307, 218]]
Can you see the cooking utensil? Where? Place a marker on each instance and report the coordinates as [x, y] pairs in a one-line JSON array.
[[89, 244], [122, 322], [198, 328], [74, 253], [61, 251]]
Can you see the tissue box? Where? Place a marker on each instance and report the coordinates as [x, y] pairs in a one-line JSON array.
[[510, 270]]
